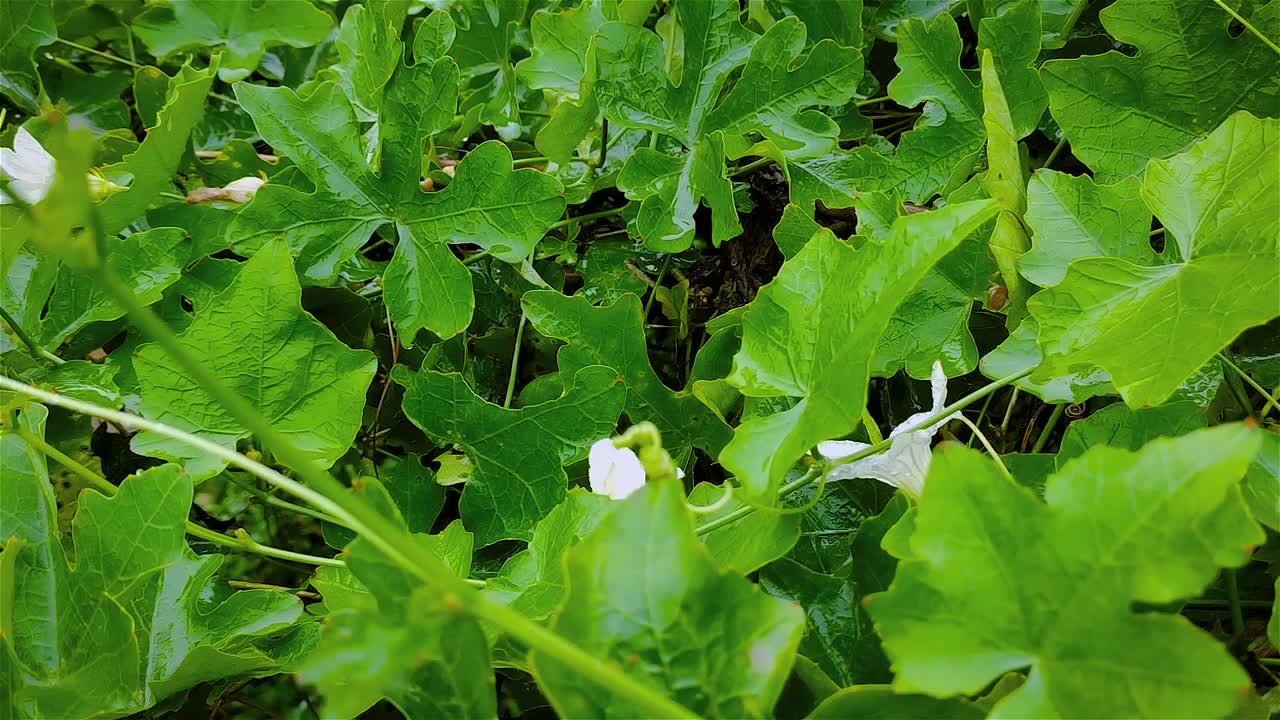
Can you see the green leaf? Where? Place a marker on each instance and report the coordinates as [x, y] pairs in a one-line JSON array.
[[932, 323], [519, 454], [642, 595], [1118, 426], [244, 31], [139, 616], [939, 153], [1019, 352], [750, 543], [558, 58], [1071, 218], [416, 493], [369, 51], [614, 336], [434, 36], [487, 204], [1116, 125], [840, 638], [777, 87], [812, 333], [1051, 584], [389, 637], [81, 380], [880, 702], [1152, 327], [24, 27], [146, 262], [1261, 486], [839, 21], [482, 49], [255, 337], [153, 164]]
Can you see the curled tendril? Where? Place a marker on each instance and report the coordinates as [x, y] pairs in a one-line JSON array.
[[716, 506]]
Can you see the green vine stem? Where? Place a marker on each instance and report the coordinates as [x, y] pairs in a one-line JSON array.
[[99, 483], [327, 494], [929, 422], [1266, 396], [37, 351]]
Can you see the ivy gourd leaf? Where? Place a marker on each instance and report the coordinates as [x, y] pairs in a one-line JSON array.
[[1072, 217], [940, 152], [533, 580], [840, 21], [153, 165], [1152, 327], [563, 62], [1019, 352], [1262, 486], [772, 97], [840, 638], [1116, 126], [1051, 584], [812, 333], [634, 90], [369, 51], [77, 379], [24, 27], [256, 338], [146, 262], [726, 648], [243, 30], [932, 323], [614, 336], [139, 616], [518, 454], [387, 637], [777, 86], [1119, 426], [483, 51], [488, 204]]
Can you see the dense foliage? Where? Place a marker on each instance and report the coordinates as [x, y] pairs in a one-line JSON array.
[[640, 358]]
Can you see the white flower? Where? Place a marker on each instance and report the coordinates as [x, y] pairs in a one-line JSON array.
[[243, 190], [28, 167], [614, 471], [906, 463]]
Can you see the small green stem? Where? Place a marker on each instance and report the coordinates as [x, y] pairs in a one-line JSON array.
[[586, 218], [871, 101], [987, 444], [929, 422], [604, 141], [981, 414], [99, 53], [99, 483], [1251, 382], [477, 256], [278, 502], [1233, 597], [1248, 25], [1274, 398], [1054, 154], [1008, 411], [515, 362], [526, 162], [754, 164], [1049, 425], [37, 351], [249, 585], [653, 287]]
